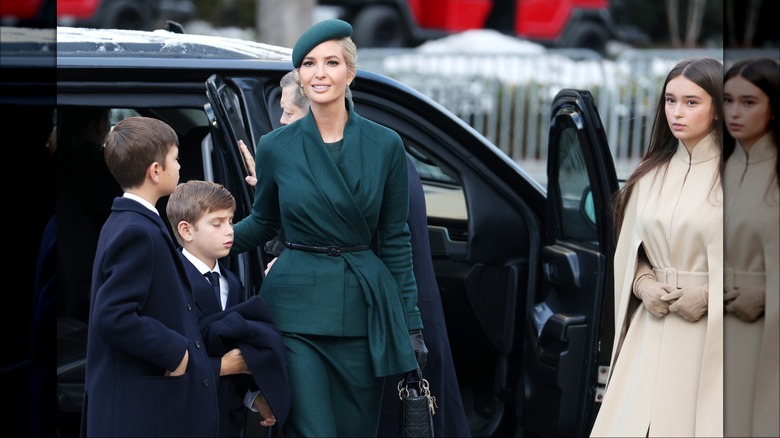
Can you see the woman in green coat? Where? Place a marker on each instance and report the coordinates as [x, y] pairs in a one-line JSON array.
[[336, 182]]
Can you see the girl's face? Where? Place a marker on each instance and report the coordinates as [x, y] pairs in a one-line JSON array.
[[747, 110], [324, 73], [689, 111]]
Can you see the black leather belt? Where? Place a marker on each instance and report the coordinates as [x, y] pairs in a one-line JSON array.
[[329, 250]]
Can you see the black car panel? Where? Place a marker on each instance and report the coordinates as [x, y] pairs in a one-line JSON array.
[[564, 333]]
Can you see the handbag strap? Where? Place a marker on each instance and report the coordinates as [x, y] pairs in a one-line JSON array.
[[413, 384]]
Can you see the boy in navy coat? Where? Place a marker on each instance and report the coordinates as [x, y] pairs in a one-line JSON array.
[[147, 372], [201, 215]]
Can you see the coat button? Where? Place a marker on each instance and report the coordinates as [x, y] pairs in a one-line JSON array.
[[205, 383], [197, 344], [189, 307]]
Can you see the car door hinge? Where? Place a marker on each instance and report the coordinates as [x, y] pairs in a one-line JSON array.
[[601, 379]]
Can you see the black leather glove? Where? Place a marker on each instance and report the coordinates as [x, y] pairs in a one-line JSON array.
[[418, 345]]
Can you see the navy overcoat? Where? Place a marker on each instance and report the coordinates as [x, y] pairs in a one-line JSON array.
[[142, 319]]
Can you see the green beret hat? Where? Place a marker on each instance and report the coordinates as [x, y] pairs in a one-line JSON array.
[[326, 30]]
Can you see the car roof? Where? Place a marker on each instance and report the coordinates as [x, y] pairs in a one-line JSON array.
[[133, 43], [27, 41]]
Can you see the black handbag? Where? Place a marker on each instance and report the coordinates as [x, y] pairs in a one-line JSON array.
[[417, 406]]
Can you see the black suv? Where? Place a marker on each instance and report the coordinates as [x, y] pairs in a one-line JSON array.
[[524, 273]]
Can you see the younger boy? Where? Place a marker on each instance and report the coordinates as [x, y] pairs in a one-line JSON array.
[[147, 373], [201, 215]]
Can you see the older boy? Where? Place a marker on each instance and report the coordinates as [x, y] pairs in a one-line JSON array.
[[147, 372], [201, 215]]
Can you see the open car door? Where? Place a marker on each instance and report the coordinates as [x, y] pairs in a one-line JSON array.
[[569, 338], [226, 121]]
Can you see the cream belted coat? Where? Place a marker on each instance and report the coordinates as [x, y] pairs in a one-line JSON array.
[[752, 215], [666, 376]]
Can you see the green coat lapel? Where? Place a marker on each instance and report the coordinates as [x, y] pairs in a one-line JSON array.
[[337, 180]]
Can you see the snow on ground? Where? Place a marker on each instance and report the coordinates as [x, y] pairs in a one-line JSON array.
[[475, 42]]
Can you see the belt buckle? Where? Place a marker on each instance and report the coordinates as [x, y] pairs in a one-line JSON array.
[[333, 251], [670, 276]]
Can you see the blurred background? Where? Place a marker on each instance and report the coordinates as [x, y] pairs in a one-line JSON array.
[[496, 64], [409, 23]]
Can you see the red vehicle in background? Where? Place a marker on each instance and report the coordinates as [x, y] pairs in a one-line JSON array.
[[28, 13], [109, 14], [407, 23], [104, 14]]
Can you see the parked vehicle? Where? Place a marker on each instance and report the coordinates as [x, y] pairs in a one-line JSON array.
[[107, 14], [406, 23], [524, 273]]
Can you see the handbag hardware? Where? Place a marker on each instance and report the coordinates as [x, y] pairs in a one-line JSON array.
[[423, 389], [417, 406]]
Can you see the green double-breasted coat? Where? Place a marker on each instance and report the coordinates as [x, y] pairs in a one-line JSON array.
[[322, 201]]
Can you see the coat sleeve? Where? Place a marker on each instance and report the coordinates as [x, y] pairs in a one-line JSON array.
[[711, 394], [625, 265], [126, 289], [393, 236]]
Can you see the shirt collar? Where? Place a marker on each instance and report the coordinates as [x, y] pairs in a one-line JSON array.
[[143, 202], [202, 267]]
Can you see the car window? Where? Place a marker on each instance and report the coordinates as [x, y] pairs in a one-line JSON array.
[[576, 200], [427, 169], [444, 197], [119, 114]]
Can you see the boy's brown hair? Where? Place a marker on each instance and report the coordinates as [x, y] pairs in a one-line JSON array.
[[133, 145], [193, 199]]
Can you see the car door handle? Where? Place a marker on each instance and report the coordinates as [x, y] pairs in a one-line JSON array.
[[554, 338], [560, 266]]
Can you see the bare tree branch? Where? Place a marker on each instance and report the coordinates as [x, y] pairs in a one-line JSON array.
[[695, 16], [281, 22], [672, 17], [731, 37], [751, 23]]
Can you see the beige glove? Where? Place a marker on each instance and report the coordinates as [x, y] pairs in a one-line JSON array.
[[650, 291], [746, 304], [688, 302]]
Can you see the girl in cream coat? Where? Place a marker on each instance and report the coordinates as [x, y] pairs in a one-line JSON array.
[[667, 361], [752, 213]]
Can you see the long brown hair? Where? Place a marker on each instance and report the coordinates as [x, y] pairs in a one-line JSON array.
[[704, 72], [764, 73]]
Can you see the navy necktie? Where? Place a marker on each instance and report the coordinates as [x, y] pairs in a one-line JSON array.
[[213, 278]]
